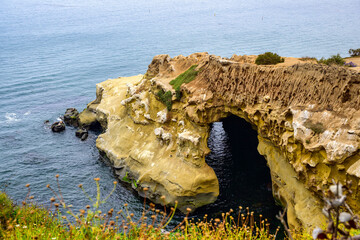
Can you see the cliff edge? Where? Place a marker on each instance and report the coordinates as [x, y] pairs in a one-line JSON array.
[[307, 117]]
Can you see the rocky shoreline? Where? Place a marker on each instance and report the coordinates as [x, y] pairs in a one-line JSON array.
[[307, 117]]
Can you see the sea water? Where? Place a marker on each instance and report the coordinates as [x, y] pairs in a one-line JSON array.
[[52, 53]]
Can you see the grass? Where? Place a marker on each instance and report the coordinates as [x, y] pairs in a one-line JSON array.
[[29, 221], [185, 77]]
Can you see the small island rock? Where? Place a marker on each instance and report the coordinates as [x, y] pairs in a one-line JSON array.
[[58, 126], [71, 117]]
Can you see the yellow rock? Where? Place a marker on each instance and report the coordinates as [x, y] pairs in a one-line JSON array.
[[168, 168], [307, 117]]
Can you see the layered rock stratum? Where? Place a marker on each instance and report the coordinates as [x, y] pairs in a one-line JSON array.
[[306, 115]]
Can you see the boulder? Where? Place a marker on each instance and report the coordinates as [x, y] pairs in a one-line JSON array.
[[84, 136], [82, 133], [58, 126], [71, 117]]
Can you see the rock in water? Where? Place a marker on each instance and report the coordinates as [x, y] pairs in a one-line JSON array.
[[82, 133], [71, 117], [58, 126], [84, 136]]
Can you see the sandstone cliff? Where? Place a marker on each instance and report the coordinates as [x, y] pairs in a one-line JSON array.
[[307, 117]]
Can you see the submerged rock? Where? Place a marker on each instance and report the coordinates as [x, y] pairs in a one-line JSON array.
[[307, 117], [71, 117], [58, 126]]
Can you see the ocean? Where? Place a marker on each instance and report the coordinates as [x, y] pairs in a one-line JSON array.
[[53, 53]]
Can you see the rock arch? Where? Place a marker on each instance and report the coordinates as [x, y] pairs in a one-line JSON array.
[[306, 115]]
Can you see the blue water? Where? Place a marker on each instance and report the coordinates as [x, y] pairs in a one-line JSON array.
[[53, 53]]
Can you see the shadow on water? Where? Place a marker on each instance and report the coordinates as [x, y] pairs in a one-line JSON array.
[[243, 174]]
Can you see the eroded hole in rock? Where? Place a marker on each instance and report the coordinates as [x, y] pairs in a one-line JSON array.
[[96, 127], [243, 174]]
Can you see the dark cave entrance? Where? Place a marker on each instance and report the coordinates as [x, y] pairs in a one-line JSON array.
[[243, 174]]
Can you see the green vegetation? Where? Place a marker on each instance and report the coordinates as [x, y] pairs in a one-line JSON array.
[[61, 222], [29, 221], [128, 180], [307, 58], [185, 77], [269, 58], [7, 211], [354, 52], [166, 98], [178, 94], [333, 60]]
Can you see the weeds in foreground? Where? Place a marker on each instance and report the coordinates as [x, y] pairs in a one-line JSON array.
[[33, 222], [342, 223]]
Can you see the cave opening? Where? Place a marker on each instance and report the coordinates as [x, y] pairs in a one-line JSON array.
[[244, 177]]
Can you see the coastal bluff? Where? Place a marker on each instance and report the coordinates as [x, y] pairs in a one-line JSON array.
[[307, 117]]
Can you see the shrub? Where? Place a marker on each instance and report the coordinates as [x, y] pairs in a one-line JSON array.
[[166, 98], [269, 58], [354, 52], [334, 59]]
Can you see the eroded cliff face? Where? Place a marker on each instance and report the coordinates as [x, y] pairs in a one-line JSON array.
[[307, 117]]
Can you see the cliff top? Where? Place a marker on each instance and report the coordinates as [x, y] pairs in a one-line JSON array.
[[294, 83]]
